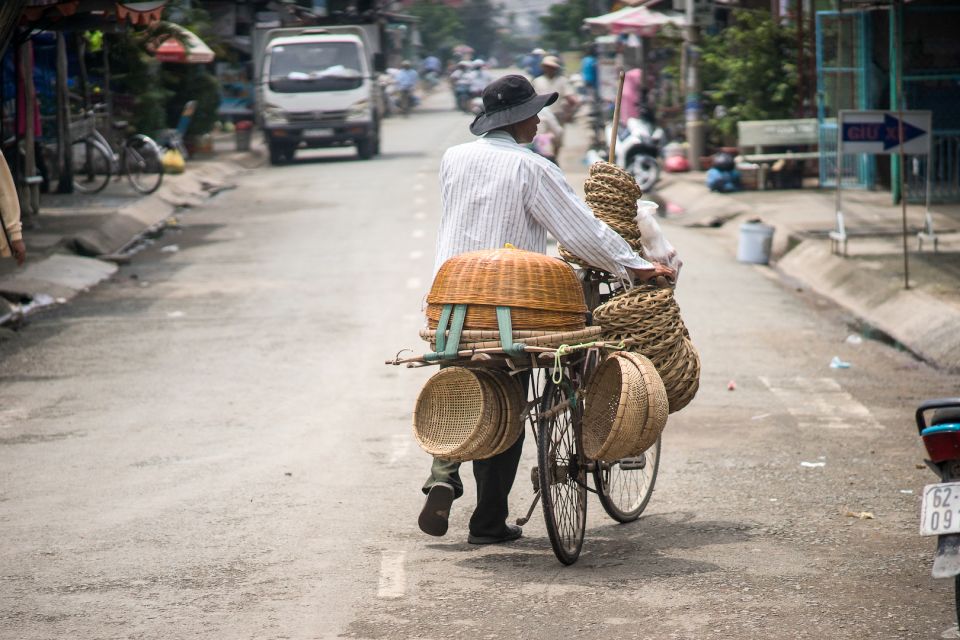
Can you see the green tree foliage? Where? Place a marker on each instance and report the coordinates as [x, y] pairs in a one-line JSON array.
[[480, 26], [563, 25], [441, 28], [750, 70]]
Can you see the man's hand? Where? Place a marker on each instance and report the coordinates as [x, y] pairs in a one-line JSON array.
[[19, 251], [657, 271]]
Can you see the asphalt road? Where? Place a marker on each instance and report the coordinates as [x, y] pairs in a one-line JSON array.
[[210, 446]]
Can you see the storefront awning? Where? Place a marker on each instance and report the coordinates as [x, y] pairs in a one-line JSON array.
[[637, 20], [141, 13], [185, 48]]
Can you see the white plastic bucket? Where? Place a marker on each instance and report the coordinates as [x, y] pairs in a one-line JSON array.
[[756, 239]]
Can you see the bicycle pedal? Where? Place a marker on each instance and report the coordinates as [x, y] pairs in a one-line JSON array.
[[632, 464]]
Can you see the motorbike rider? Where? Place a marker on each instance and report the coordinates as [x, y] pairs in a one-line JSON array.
[[406, 80]]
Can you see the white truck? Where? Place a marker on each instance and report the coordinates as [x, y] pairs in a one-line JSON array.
[[318, 87]]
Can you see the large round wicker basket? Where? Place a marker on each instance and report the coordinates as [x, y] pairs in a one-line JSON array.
[[542, 292], [468, 414], [625, 408], [651, 318]]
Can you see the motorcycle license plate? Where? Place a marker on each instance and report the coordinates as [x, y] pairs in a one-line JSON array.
[[940, 509], [317, 133]]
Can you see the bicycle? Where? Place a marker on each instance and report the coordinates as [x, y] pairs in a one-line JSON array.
[[554, 412], [94, 160], [624, 487]]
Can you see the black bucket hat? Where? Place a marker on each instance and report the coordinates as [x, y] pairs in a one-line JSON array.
[[509, 100]]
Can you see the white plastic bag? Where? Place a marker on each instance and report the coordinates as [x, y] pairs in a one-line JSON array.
[[656, 248]]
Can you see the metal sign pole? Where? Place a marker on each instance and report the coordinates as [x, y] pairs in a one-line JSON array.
[[900, 137], [840, 234]]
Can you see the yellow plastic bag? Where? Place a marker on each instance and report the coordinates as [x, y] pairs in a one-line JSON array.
[[173, 161]]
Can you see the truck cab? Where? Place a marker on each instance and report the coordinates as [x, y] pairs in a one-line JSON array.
[[317, 88]]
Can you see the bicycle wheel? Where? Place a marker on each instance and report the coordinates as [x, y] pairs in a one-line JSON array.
[[625, 486], [561, 472], [90, 163], [142, 163]]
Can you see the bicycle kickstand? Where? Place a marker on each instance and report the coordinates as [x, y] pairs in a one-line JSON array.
[[526, 519]]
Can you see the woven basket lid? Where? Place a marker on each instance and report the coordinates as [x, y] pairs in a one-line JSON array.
[[510, 278]]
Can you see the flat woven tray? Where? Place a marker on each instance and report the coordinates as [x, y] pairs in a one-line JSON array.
[[491, 339], [480, 316]]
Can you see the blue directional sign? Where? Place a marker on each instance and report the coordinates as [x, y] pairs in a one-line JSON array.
[[878, 132]]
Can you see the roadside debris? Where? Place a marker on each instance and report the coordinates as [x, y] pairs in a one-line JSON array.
[[837, 363], [854, 339], [812, 465], [731, 386], [176, 314], [862, 515], [170, 248], [908, 492]]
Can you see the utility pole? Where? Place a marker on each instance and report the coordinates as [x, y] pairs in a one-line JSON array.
[[694, 108]]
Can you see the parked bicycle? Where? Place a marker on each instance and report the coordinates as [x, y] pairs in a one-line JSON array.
[[94, 159]]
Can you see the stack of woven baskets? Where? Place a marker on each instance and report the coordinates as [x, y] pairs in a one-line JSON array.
[[651, 318], [612, 194], [468, 414]]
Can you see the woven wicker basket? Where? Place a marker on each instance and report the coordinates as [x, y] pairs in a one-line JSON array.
[[625, 408], [485, 317], [508, 278], [651, 318], [468, 414], [487, 339]]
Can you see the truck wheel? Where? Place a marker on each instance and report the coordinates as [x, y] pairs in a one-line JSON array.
[[279, 154], [366, 147]]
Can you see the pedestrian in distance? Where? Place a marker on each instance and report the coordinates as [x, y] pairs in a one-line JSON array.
[[553, 81], [496, 191], [11, 240]]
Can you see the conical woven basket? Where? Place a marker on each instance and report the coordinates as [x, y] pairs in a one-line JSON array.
[[625, 408], [651, 318], [508, 278]]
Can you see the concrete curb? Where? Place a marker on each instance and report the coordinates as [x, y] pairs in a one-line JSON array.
[[59, 277], [919, 321]]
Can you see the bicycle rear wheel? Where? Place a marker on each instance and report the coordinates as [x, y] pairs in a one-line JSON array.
[[625, 486], [143, 164], [90, 163], [563, 481]]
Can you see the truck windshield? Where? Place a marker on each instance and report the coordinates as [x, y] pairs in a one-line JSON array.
[[315, 66]]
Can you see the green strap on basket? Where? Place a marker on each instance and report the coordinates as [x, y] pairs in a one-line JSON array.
[[447, 348], [505, 326]]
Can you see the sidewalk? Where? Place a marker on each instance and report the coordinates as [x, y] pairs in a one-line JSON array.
[[77, 239], [869, 282]]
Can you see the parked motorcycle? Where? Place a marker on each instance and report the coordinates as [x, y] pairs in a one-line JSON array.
[[940, 505], [639, 143]]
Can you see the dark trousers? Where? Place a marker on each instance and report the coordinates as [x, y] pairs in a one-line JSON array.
[[494, 478]]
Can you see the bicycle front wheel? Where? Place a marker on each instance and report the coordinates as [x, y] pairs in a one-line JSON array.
[[625, 486], [90, 164], [143, 164], [562, 474]]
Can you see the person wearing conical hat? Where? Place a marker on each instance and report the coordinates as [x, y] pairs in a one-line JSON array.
[[496, 191]]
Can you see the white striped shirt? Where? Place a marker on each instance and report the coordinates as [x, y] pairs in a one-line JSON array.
[[495, 191]]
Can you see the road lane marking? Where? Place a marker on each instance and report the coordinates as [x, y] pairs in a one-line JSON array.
[[420, 215], [418, 187], [393, 577], [419, 201], [416, 255], [821, 403], [399, 446], [414, 283], [417, 233]]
